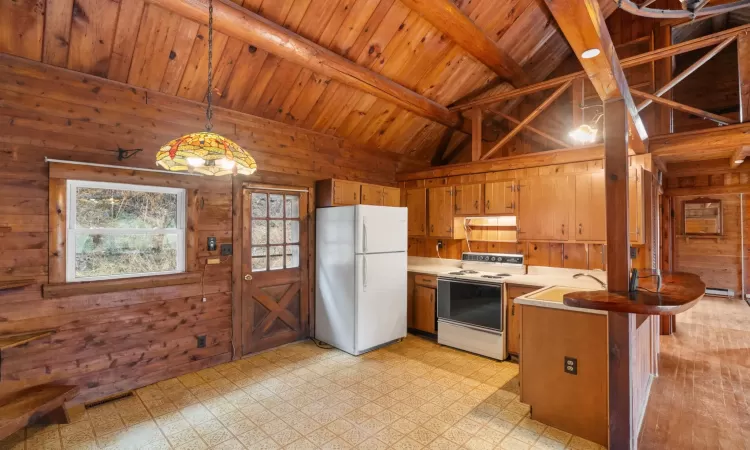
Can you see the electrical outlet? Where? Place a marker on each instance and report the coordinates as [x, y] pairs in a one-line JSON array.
[[202, 341], [571, 365], [440, 244], [211, 245], [226, 249], [633, 253]]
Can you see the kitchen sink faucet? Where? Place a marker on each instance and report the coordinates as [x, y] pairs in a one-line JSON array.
[[579, 275]]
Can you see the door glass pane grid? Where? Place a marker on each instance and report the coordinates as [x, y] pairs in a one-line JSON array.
[[275, 231]]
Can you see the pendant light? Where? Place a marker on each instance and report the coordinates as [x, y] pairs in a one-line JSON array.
[[206, 152]]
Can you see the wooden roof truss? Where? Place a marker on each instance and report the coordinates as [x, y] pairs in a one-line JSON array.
[[486, 105]]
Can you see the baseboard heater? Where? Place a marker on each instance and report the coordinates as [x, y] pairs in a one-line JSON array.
[[719, 292]]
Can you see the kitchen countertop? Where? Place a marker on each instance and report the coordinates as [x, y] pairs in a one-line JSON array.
[[542, 277]]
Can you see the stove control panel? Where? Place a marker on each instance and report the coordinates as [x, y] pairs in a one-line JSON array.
[[498, 258]]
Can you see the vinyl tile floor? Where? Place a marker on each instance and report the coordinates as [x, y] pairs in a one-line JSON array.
[[410, 395]]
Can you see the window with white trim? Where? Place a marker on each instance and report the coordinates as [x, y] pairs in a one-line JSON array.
[[119, 230]]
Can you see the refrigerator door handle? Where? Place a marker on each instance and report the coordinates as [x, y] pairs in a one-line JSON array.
[[364, 271], [364, 236]]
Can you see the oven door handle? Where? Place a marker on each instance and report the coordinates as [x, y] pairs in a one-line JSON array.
[[473, 327]]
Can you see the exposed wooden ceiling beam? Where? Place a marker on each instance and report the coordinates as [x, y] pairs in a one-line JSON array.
[[722, 120], [536, 131], [583, 25], [445, 140], [538, 110], [446, 17], [637, 60], [254, 29], [738, 157]]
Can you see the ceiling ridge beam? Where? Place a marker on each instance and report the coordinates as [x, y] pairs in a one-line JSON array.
[[452, 22], [242, 24]]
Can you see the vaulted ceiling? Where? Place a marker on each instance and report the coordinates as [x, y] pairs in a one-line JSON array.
[[139, 43]]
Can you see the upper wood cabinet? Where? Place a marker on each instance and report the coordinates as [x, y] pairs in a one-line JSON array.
[[371, 195], [416, 204], [335, 192], [500, 198], [545, 207], [440, 207], [468, 200], [590, 210], [391, 196]]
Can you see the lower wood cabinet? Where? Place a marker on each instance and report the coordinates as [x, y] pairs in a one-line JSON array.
[[513, 314], [422, 303]]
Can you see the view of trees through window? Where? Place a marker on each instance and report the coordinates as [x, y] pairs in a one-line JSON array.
[[119, 232]]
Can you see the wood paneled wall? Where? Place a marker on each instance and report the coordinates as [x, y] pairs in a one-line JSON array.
[[108, 343], [550, 254], [716, 260]]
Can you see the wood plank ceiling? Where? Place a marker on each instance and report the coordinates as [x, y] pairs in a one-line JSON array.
[[141, 44]]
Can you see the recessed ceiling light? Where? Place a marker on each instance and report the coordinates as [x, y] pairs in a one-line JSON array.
[[590, 53], [739, 161]]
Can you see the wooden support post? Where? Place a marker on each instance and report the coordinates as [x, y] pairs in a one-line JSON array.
[[743, 63], [476, 134], [618, 267]]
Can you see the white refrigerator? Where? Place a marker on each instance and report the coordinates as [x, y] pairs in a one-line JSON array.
[[361, 276]]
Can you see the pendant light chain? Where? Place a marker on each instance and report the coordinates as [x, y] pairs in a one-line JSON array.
[[209, 95]]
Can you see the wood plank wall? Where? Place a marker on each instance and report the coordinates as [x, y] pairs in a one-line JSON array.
[[718, 262], [108, 343]]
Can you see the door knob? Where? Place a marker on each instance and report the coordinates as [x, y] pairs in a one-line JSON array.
[[248, 277]]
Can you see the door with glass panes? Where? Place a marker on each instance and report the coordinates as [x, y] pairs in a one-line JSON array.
[[275, 273]]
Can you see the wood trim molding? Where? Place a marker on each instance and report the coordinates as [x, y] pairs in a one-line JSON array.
[[546, 158], [62, 290], [60, 173], [58, 194]]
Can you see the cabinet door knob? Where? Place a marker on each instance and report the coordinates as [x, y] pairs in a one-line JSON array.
[[563, 228], [476, 204], [487, 205], [248, 277], [580, 228], [513, 309]]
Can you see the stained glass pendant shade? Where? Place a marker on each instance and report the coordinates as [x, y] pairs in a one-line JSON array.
[[206, 152]]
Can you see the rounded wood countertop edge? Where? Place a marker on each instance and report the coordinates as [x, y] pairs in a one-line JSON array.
[[680, 291]]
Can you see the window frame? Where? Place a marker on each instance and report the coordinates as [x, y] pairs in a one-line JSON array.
[[71, 232]]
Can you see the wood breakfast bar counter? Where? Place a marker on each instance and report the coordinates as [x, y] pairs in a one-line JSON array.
[[568, 352], [679, 292]]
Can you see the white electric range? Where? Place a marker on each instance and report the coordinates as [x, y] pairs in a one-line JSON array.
[[471, 306]]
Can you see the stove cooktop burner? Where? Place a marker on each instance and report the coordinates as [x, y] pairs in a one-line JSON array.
[[463, 272], [499, 275]]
